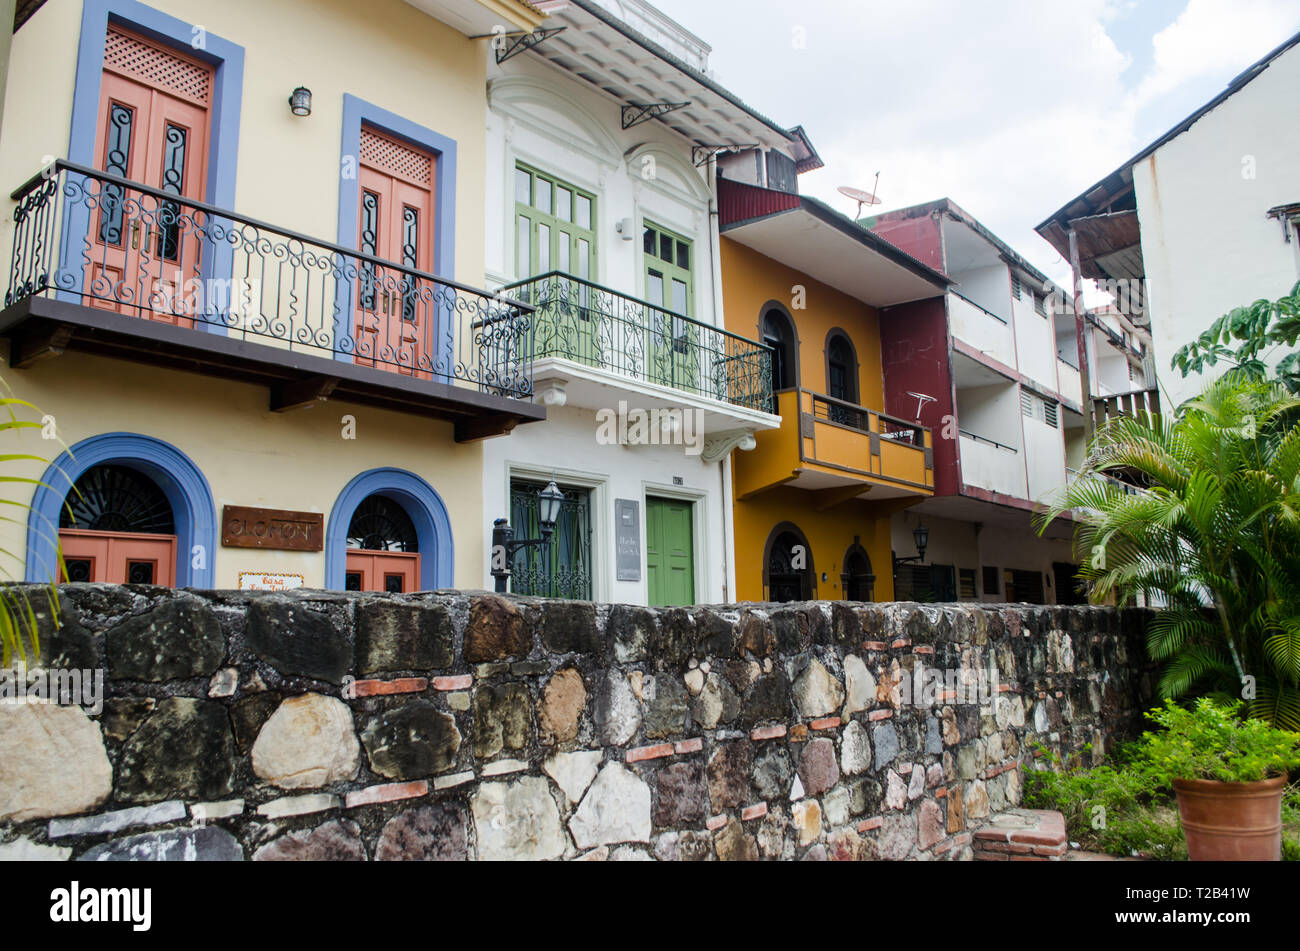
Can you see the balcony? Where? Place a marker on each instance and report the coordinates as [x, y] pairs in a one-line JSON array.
[[992, 466], [1069, 382], [1116, 405], [597, 347], [981, 329], [108, 266], [838, 450]]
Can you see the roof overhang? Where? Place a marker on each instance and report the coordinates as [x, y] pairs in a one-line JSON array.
[[1114, 193], [814, 239], [632, 69], [482, 17]]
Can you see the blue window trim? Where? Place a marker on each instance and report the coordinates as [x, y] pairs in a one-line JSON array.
[[420, 501], [175, 473], [357, 111], [227, 94]]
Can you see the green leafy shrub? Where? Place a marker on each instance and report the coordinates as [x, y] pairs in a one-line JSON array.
[[1209, 741], [1120, 809]]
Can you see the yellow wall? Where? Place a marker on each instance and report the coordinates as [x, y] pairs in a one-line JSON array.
[[829, 534], [383, 51], [249, 455], [750, 280]]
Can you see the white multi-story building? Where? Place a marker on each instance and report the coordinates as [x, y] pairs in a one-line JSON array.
[[600, 145], [992, 369], [1204, 220]]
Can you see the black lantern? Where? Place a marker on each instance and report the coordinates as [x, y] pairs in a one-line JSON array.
[[921, 536], [300, 101], [504, 545]]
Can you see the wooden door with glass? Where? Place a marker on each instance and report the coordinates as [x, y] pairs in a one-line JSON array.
[[396, 311], [674, 345], [555, 233], [153, 128]]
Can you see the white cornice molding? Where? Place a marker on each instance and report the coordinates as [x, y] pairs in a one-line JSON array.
[[521, 98]]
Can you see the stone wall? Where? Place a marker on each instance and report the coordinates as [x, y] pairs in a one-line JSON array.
[[466, 725]]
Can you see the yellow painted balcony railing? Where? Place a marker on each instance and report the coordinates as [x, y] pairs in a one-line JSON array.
[[828, 443]]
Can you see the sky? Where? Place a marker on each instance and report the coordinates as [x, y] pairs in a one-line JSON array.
[[1009, 107]]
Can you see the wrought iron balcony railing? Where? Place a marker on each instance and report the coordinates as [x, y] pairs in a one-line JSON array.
[[584, 322], [852, 416], [89, 237]]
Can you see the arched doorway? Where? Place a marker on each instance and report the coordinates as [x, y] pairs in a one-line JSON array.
[[117, 527], [857, 580], [388, 531], [383, 548], [788, 566], [141, 491]]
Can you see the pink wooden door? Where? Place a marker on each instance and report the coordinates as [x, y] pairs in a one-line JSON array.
[[394, 316], [118, 557], [393, 572], [153, 129]]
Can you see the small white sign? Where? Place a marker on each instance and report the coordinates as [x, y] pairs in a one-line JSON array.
[[268, 581]]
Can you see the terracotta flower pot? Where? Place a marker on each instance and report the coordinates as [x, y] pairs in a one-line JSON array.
[[1231, 822]]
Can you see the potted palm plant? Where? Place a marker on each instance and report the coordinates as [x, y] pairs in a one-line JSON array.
[[1229, 775]]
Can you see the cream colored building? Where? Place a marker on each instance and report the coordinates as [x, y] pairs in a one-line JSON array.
[[221, 299]]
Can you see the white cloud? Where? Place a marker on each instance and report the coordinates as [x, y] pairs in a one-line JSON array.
[[1008, 107], [1213, 37]]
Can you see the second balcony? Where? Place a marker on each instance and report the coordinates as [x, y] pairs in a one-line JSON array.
[[594, 347]]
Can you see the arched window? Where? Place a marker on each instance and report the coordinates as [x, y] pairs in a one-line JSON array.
[[788, 566], [841, 368], [778, 333], [857, 580], [116, 526], [388, 531], [380, 524], [126, 508]]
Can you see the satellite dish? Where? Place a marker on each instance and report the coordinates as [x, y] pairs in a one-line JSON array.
[[862, 197], [921, 400]]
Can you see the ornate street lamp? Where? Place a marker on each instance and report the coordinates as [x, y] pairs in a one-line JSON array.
[[920, 535], [504, 544]]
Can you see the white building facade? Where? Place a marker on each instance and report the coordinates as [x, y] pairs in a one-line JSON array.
[[601, 215]]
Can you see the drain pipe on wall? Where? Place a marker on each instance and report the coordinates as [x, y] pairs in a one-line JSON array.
[[724, 467]]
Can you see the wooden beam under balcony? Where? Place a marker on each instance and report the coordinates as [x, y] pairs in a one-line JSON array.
[[824, 499], [35, 343], [302, 394]]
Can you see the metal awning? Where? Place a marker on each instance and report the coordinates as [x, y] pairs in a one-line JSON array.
[[646, 79]]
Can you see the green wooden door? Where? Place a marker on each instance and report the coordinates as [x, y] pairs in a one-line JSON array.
[[674, 345], [670, 555], [555, 232]]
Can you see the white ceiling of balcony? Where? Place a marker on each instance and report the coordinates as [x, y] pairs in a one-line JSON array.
[[632, 69], [468, 16], [837, 256]]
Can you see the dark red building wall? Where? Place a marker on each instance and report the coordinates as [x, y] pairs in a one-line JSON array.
[[914, 348], [919, 237]]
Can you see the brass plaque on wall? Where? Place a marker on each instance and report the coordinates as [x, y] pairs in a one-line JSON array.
[[243, 527]]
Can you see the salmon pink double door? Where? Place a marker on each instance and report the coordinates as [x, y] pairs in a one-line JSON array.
[[396, 312], [153, 128]]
